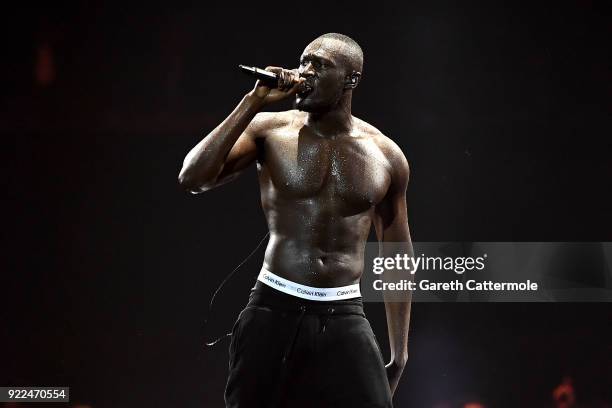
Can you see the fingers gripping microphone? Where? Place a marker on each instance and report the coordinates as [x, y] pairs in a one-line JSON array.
[[270, 79]]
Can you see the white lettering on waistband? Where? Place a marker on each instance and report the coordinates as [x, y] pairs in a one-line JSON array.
[[308, 292]]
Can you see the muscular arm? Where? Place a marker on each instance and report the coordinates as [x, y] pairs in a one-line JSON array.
[[393, 234], [225, 151], [230, 147]]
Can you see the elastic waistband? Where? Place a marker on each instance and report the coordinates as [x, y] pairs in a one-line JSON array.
[[266, 296], [308, 292]]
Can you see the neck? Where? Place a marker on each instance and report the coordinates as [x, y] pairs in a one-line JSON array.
[[335, 121]]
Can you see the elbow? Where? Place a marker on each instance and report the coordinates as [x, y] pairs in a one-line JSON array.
[[192, 184], [197, 179]]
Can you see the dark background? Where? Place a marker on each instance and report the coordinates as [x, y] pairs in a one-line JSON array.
[[503, 111]]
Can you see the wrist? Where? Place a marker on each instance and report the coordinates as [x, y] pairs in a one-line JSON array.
[[253, 101], [400, 359]]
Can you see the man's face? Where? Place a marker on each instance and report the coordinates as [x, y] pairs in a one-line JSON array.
[[325, 73]]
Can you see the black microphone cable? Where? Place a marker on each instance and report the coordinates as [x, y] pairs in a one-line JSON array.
[[210, 305]]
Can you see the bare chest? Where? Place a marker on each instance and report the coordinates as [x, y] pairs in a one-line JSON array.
[[350, 171]]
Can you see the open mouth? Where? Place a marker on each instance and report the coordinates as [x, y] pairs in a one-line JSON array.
[[305, 89]]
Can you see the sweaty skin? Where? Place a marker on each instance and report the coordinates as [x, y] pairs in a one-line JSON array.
[[319, 196], [325, 178]]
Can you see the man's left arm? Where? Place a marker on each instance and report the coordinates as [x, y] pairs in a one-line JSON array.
[[391, 223]]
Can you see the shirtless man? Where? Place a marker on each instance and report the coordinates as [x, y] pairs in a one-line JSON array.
[[325, 177]]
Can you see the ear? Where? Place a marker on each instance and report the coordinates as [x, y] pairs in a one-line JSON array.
[[352, 80]]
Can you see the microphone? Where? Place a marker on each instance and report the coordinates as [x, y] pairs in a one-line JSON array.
[[270, 79]]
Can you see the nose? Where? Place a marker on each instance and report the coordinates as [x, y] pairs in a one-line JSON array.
[[307, 70]]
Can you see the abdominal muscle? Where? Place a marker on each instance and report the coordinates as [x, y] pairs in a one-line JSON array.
[[315, 248]]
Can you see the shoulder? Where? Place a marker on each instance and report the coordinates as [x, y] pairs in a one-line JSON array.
[[398, 164], [265, 122]]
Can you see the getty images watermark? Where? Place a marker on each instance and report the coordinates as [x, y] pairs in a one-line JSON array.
[[488, 272], [459, 265]]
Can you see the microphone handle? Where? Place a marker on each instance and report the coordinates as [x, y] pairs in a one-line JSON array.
[[269, 79]]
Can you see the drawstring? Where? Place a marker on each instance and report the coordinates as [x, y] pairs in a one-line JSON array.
[[285, 367], [330, 312], [286, 355], [295, 333]]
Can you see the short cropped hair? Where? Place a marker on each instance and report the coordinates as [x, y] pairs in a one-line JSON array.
[[351, 51]]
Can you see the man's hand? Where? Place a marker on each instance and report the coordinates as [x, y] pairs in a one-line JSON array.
[[394, 372], [289, 83]]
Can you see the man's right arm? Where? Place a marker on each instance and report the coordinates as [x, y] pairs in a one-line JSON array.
[[225, 151], [230, 147]]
